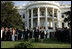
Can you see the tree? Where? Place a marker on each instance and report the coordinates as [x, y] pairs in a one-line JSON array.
[[68, 19], [9, 15]]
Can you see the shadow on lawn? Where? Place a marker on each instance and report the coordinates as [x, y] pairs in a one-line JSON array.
[[49, 41], [25, 44]]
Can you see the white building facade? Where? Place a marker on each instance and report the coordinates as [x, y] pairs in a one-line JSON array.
[[43, 13]]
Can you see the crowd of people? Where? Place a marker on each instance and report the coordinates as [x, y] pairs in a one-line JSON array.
[[14, 34]]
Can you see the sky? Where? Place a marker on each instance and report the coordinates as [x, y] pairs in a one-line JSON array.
[[18, 3]]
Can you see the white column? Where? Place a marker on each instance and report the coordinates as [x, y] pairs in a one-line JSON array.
[[25, 18], [46, 19], [32, 18], [38, 17], [53, 25], [60, 21], [28, 19], [57, 18], [46, 26]]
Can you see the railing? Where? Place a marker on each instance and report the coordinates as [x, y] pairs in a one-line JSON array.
[[52, 2]]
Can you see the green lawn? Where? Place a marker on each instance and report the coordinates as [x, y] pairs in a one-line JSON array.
[[48, 44]]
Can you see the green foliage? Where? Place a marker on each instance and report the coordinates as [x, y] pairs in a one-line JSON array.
[[9, 15], [25, 44], [68, 19]]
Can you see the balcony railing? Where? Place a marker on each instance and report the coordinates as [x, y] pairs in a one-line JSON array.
[[52, 2]]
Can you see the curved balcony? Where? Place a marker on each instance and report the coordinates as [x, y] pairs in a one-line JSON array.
[[50, 2]]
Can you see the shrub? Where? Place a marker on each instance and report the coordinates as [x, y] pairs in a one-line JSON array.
[[62, 35], [25, 44]]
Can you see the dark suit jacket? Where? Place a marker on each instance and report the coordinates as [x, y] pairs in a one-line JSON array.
[[36, 33]]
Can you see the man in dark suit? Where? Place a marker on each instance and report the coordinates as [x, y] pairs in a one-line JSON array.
[[36, 34], [30, 33], [10, 34], [19, 34], [26, 31], [7, 33], [42, 34]]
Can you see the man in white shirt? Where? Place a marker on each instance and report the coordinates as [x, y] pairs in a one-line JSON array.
[[2, 30], [1, 33]]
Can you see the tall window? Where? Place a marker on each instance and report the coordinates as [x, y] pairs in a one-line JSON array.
[[55, 15], [50, 12], [34, 12], [29, 13], [23, 15], [42, 13], [62, 16], [62, 25]]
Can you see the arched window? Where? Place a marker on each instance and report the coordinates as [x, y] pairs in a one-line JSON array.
[[42, 13]]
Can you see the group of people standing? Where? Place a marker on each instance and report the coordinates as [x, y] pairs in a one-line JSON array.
[[7, 34], [13, 34]]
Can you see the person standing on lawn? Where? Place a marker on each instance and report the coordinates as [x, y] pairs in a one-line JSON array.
[[17, 32], [45, 34], [30, 33], [42, 34], [36, 34], [7, 33], [2, 33], [26, 31], [13, 34], [10, 36]]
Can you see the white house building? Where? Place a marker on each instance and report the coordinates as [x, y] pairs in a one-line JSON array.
[[44, 13]]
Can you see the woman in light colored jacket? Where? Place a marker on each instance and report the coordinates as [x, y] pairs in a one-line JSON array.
[[13, 34]]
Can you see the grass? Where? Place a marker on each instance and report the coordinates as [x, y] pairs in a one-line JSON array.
[[8, 44], [45, 44]]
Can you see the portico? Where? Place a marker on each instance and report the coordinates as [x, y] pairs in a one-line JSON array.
[[47, 14], [43, 16]]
